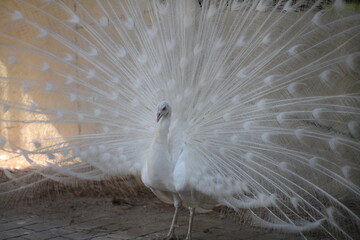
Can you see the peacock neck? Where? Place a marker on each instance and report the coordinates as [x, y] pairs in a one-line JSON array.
[[163, 131], [157, 167]]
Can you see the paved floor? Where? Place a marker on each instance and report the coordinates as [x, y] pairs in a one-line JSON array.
[[102, 218]]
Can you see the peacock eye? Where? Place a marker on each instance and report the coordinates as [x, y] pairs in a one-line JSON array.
[[164, 108]]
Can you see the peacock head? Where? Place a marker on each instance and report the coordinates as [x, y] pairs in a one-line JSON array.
[[164, 110]]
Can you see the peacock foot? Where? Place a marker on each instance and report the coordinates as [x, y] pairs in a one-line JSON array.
[[170, 236]]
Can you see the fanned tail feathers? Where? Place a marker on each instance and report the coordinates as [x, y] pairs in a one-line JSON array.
[[266, 95]]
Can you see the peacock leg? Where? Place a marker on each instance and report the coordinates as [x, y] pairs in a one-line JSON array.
[[171, 234], [192, 213]]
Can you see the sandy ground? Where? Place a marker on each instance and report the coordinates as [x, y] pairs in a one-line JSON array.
[[114, 209], [106, 218]]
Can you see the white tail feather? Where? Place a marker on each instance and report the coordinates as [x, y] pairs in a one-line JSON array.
[[264, 97]]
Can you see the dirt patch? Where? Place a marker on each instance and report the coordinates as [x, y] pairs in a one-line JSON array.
[[112, 209]]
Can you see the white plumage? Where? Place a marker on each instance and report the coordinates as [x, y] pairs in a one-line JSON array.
[[261, 105]]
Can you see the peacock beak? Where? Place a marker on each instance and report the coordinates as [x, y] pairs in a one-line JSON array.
[[158, 116]]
